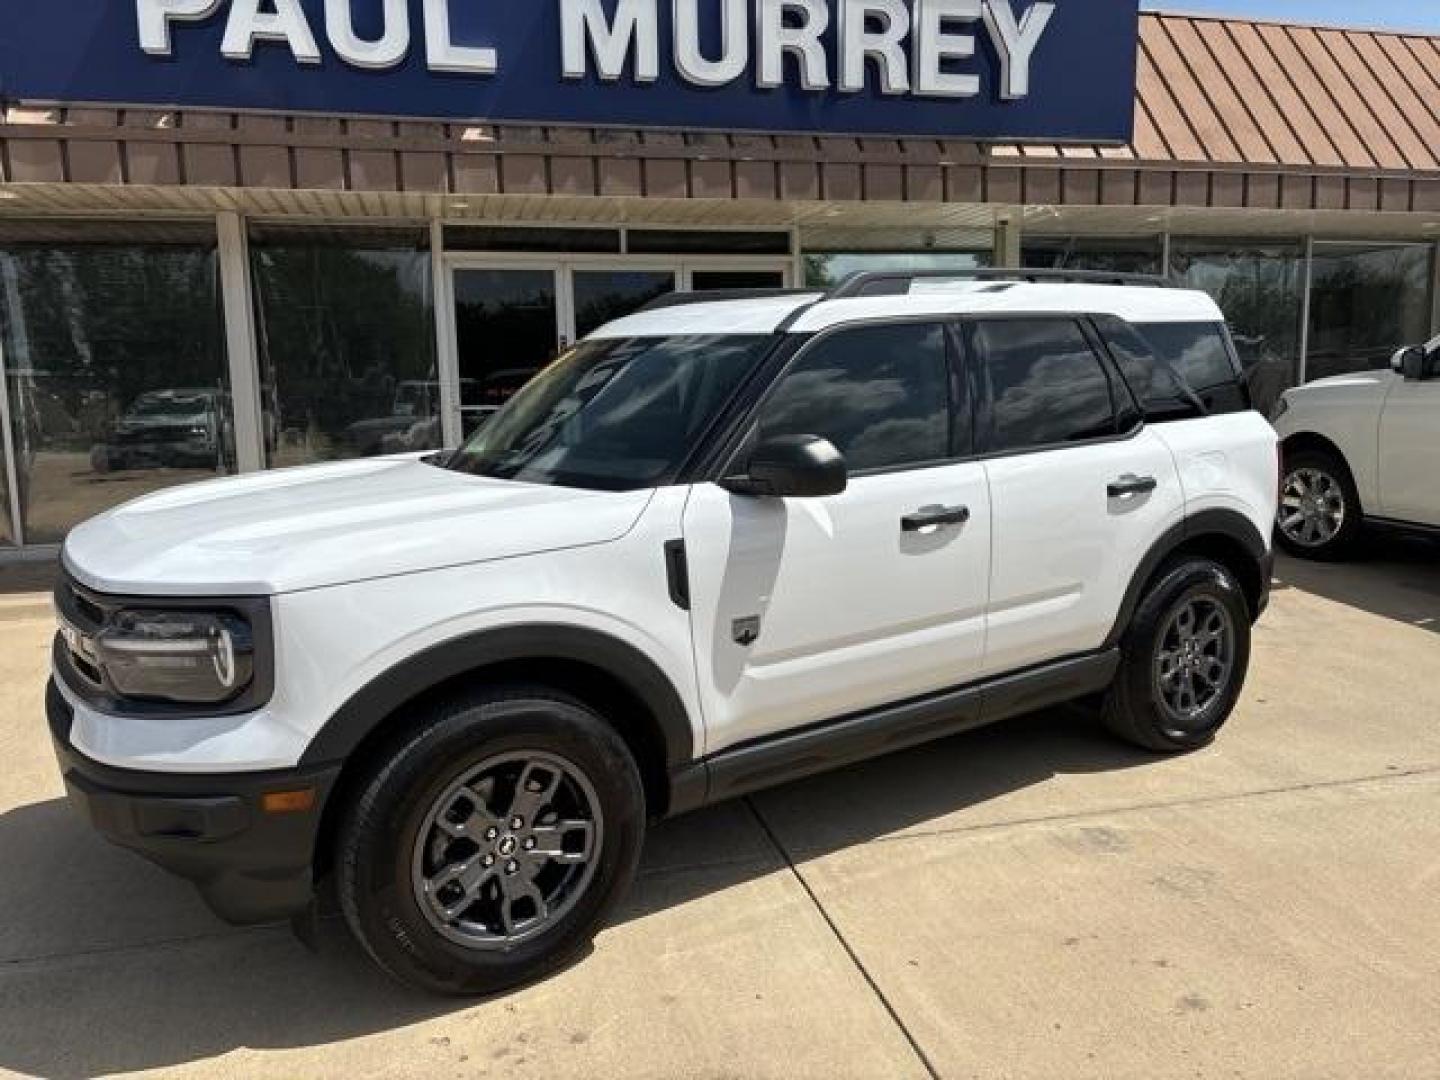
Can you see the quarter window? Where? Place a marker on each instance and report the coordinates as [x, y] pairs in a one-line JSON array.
[[1047, 386], [1199, 353], [881, 394]]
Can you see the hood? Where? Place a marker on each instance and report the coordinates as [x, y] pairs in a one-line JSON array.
[[330, 524], [1356, 382]]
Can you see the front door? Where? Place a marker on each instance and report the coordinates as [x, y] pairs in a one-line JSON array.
[[1410, 450], [802, 609]]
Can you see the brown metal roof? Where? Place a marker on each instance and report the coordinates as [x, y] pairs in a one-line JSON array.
[[1230, 114], [1238, 92]]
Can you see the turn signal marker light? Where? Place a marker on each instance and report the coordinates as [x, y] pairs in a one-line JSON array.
[[289, 802]]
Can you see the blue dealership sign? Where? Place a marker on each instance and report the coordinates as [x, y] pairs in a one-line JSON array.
[[1056, 70]]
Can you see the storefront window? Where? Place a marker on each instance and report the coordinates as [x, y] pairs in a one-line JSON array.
[[347, 343], [115, 362], [824, 269], [1259, 288], [1366, 301], [1128, 255], [7, 530]]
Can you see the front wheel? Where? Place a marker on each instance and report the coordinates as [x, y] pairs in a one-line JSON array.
[[1183, 660], [493, 842], [1319, 516]]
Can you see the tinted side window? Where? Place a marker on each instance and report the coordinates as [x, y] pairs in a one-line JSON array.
[[1160, 391], [1199, 353], [1047, 386], [881, 394]]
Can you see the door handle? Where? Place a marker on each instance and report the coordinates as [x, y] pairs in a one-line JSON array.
[[1130, 484], [928, 516]]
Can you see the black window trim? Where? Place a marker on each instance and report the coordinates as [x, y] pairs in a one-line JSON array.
[[1112, 374], [733, 441]]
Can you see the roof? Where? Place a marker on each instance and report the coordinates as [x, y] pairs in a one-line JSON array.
[[763, 316], [1264, 118], [1241, 91]]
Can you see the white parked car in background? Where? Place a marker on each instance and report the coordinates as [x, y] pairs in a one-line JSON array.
[[1361, 449]]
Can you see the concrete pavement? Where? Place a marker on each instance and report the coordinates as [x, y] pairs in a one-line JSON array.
[[1031, 900]]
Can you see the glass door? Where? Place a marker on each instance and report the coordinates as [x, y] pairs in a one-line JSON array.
[[514, 314], [601, 294], [507, 327]]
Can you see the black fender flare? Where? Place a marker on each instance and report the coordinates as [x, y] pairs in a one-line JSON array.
[[438, 664], [1230, 524]]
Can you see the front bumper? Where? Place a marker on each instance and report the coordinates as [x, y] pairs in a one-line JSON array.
[[251, 865]]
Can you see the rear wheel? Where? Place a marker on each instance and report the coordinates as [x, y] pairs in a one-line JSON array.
[[1320, 515], [493, 842], [1183, 660]]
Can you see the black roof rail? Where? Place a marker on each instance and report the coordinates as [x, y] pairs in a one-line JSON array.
[[898, 282], [711, 296]]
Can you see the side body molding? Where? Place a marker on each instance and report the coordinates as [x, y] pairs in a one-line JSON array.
[[534, 643], [1228, 525]]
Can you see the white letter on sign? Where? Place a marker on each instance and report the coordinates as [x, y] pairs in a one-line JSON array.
[[247, 26], [155, 17], [802, 41], [443, 54], [933, 45], [1016, 43], [635, 24], [734, 43], [857, 44], [390, 50]]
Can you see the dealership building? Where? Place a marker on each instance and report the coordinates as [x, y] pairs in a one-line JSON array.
[[232, 242]]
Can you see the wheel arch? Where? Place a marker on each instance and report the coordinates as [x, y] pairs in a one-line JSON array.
[[1311, 440], [616, 679], [1226, 536]]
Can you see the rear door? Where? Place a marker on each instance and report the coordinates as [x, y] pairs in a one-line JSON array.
[[1080, 490], [806, 609]]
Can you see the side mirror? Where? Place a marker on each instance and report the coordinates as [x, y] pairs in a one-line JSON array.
[[792, 466], [1410, 362]]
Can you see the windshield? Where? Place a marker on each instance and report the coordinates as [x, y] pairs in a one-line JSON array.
[[614, 414]]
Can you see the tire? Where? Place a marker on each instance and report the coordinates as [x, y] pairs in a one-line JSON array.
[[1306, 474], [1145, 704], [414, 826]]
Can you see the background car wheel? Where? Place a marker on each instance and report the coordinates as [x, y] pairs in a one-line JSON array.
[[1183, 660], [1320, 514], [493, 842]]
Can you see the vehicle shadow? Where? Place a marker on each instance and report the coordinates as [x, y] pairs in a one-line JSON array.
[[108, 965], [1393, 576]]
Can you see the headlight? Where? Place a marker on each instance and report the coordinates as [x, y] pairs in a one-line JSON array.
[[190, 657], [1282, 406]]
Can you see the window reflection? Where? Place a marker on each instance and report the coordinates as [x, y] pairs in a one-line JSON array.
[[116, 371], [1127, 255], [347, 343], [826, 268], [7, 530], [1046, 384], [1259, 288], [1366, 302], [880, 394]]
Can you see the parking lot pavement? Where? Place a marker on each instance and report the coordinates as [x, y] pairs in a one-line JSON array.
[[1031, 900]]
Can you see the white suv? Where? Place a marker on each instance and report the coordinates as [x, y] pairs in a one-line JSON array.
[[722, 543], [1358, 449]]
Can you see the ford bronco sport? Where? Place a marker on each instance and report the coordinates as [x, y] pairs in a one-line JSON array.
[[722, 543]]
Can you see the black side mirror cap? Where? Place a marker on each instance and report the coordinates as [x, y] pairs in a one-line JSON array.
[[1411, 363], [792, 467]]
